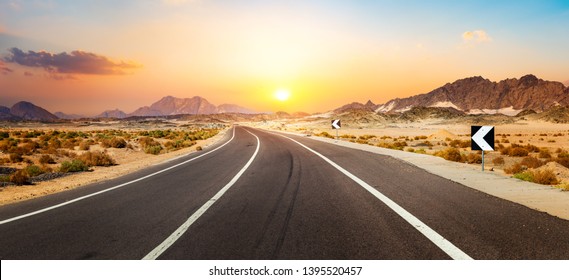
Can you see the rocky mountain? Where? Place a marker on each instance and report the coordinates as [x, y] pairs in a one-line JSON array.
[[65, 116], [369, 106], [115, 114], [232, 108], [196, 105], [476, 95], [6, 116], [28, 111]]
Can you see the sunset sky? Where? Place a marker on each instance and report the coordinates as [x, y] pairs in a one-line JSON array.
[[84, 57]]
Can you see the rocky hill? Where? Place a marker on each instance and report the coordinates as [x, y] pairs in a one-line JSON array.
[[114, 114], [27, 111], [476, 95], [196, 105], [369, 106]]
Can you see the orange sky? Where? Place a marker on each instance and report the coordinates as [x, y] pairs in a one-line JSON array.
[[327, 53]]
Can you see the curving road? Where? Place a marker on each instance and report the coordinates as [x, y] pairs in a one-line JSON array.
[[262, 195]]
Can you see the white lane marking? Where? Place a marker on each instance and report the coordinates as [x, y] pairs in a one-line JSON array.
[[154, 254], [445, 245], [113, 188]]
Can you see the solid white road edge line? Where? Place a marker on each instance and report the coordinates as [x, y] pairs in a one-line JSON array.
[[154, 254], [113, 188], [445, 245]]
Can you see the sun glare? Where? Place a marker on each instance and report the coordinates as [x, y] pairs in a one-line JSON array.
[[282, 94]]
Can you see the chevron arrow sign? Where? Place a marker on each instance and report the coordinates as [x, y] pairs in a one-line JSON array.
[[482, 138], [336, 124]]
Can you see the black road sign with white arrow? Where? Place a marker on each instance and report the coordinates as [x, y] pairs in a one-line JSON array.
[[336, 124], [482, 138]]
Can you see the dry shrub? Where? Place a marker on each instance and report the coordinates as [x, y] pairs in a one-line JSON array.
[[69, 144], [498, 161], [85, 145], [15, 157], [75, 165], [544, 177], [459, 143], [115, 142], [474, 158], [514, 169], [452, 154], [544, 153], [46, 159], [518, 152], [97, 158], [33, 170], [532, 162], [199, 148], [19, 178]]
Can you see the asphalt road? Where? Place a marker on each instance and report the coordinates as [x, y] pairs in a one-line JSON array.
[[259, 195]]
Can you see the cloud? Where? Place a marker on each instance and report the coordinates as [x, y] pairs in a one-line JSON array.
[[28, 74], [76, 62], [477, 36], [4, 70]]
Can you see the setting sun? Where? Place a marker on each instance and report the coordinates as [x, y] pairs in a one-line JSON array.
[[282, 94]]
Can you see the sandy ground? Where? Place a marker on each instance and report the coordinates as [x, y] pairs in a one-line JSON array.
[[128, 162]]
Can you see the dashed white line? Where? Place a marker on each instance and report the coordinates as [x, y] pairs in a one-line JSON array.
[[160, 249], [113, 188], [445, 245]]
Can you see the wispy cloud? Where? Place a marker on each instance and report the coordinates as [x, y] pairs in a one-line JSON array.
[[477, 36], [76, 62], [4, 70]]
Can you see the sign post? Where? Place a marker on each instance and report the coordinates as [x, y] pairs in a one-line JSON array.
[[482, 139], [336, 124]]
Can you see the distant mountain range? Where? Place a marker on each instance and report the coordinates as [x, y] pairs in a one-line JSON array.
[[474, 95], [166, 106], [477, 95], [196, 105]]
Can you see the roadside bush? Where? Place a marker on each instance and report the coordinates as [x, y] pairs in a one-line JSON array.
[[498, 161], [97, 159], [473, 158], [46, 159], [325, 134], [516, 168], [544, 153], [545, 177], [115, 142], [524, 176], [75, 165], [19, 178], [154, 150], [452, 154], [15, 157], [518, 152], [457, 143], [33, 170], [85, 145], [199, 148], [531, 162], [420, 151]]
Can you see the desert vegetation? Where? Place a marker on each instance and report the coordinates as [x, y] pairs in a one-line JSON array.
[[519, 159], [28, 156]]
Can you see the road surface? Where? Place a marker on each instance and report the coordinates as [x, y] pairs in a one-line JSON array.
[[263, 195]]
